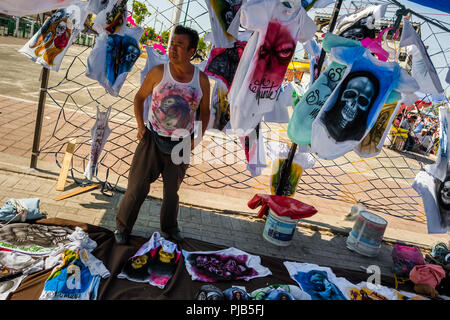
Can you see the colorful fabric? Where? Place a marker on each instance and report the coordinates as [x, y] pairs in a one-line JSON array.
[[113, 57], [50, 44], [279, 292], [355, 104], [112, 18], [174, 104], [264, 63], [224, 16], [30, 7], [154, 262], [76, 278], [224, 265], [429, 274]]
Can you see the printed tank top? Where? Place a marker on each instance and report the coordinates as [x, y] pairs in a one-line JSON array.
[[174, 104]]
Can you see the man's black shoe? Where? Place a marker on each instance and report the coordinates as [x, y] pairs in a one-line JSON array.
[[120, 237], [174, 235]]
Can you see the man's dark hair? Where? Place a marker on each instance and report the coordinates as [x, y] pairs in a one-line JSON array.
[[193, 35]]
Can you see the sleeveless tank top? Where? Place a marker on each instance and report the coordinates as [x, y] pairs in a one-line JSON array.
[[173, 106]]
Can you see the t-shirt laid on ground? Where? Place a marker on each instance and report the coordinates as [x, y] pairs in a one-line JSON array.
[[353, 107], [224, 16], [113, 57], [153, 59], [422, 67], [50, 44], [224, 265], [264, 63], [77, 273], [319, 282], [279, 292], [154, 262]]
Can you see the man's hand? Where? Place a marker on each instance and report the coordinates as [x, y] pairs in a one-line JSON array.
[[141, 132]]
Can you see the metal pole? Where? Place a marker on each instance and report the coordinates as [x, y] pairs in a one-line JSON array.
[[175, 17], [39, 117], [185, 15], [287, 164]]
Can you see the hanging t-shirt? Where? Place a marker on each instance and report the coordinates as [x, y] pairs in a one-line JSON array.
[[308, 107], [278, 30], [113, 57], [439, 169], [154, 262], [360, 25], [373, 142], [30, 7], [280, 114], [224, 265], [153, 59], [436, 201], [353, 107], [220, 107], [49, 45], [99, 135], [422, 68], [76, 278], [253, 145], [223, 62], [222, 13], [112, 18], [174, 104], [319, 282]]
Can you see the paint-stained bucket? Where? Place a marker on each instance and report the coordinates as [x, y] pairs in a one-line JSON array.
[[367, 234], [279, 230]]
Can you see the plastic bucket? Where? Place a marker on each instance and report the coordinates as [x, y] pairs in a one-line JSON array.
[[367, 234], [279, 230]]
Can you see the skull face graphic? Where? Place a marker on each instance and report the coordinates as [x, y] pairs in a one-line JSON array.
[[347, 119], [364, 28], [445, 193], [357, 97]]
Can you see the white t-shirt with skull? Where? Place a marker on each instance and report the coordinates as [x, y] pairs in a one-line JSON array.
[[353, 107]]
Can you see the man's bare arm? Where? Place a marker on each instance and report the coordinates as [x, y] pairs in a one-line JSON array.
[[153, 77]]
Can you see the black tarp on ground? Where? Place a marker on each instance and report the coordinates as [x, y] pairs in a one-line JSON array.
[[180, 286]]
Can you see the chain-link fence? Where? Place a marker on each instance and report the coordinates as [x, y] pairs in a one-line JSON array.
[[382, 183]]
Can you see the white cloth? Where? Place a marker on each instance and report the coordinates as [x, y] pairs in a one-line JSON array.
[[50, 44], [425, 185], [253, 145], [153, 59], [112, 18], [99, 135], [258, 81], [353, 107], [123, 47], [29, 7], [285, 99], [280, 150], [223, 269], [363, 21], [224, 17], [422, 67], [319, 282], [439, 169]]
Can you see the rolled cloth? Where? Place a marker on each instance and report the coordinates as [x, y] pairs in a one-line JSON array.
[[429, 274], [282, 206]]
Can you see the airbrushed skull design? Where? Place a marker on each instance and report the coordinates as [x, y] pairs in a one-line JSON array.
[[445, 193], [356, 99]]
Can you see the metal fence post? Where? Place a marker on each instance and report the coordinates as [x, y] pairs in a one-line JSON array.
[[39, 117]]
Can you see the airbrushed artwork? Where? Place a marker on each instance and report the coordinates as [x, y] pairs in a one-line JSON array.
[[346, 120]]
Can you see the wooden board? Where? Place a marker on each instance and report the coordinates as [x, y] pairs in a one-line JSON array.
[[60, 185], [77, 191]]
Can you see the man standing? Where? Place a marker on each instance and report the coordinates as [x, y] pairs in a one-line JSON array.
[[408, 125], [178, 90]]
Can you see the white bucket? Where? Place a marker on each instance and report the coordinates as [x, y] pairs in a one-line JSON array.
[[367, 234], [279, 230]]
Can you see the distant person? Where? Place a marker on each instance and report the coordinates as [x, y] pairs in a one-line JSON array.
[[408, 125]]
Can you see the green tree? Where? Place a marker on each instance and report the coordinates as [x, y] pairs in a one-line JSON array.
[[148, 35], [140, 12]]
